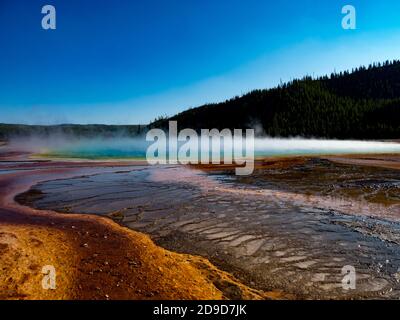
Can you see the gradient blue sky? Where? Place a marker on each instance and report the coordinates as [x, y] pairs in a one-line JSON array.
[[126, 62]]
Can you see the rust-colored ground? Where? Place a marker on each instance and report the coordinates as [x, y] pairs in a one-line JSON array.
[[96, 258], [389, 161], [265, 163]]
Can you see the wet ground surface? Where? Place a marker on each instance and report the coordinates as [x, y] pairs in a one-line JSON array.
[[323, 177], [273, 233]]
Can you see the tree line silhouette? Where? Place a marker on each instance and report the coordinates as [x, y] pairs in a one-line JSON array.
[[363, 103]]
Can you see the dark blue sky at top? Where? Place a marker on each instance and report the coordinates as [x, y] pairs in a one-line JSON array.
[[128, 61]]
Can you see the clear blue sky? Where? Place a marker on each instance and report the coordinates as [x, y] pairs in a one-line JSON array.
[[127, 61]]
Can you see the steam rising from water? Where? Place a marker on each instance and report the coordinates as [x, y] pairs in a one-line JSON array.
[[300, 146], [85, 148], [135, 148]]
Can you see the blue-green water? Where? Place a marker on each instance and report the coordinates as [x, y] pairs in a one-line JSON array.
[[97, 149], [94, 154], [136, 149]]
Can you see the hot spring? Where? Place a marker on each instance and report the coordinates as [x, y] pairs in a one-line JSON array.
[[135, 148]]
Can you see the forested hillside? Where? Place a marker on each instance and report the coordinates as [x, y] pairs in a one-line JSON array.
[[363, 103]]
